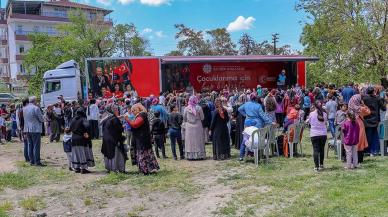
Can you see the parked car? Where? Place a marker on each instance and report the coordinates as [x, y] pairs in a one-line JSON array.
[[7, 98]]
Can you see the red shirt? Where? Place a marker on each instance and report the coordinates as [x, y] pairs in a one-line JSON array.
[[107, 95], [118, 94]]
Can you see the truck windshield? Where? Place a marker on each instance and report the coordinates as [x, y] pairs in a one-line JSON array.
[[52, 86]]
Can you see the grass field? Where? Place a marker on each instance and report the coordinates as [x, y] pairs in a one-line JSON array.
[[284, 187]]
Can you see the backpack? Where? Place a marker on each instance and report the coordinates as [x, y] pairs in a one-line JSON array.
[[306, 102]]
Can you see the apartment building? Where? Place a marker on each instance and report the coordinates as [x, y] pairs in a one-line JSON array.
[[20, 18]]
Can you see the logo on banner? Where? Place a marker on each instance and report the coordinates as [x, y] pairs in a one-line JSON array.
[[207, 68]]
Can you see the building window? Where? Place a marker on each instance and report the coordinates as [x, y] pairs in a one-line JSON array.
[[22, 69], [21, 49], [52, 86], [36, 28], [92, 16], [19, 29], [2, 71]]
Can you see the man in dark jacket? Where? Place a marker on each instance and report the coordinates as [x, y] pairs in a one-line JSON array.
[[375, 104], [99, 81]]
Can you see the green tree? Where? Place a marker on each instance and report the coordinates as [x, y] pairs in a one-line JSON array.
[[248, 46], [128, 41], [349, 36], [221, 42], [191, 42]]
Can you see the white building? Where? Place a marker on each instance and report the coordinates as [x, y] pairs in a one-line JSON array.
[[21, 18]]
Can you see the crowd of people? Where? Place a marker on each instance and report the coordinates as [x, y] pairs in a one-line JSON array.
[[137, 128]]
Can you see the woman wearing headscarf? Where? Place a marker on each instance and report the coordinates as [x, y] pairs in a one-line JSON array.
[[219, 130], [192, 119], [141, 139], [357, 107], [270, 105], [81, 150], [371, 121], [113, 141]]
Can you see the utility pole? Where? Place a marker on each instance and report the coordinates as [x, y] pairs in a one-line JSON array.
[[275, 38]]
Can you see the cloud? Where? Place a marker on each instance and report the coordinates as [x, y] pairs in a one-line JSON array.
[[159, 34], [125, 2], [241, 23], [104, 2], [154, 2], [146, 30]]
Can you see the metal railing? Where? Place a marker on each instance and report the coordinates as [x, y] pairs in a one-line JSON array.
[[55, 14], [23, 32]]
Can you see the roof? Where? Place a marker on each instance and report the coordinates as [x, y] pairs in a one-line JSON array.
[[70, 4], [250, 58]]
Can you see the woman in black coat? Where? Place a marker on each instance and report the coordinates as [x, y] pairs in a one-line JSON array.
[[81, 150], [220, 132], [375, 104], [113, 141], [141, 140]]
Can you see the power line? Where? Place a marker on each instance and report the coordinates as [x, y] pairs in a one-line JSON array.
[[275, 38]]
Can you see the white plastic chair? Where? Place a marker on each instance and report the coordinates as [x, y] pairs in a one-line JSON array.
[[336, 142], [298, 128], [260, 144], [384, 137], [271, 140]]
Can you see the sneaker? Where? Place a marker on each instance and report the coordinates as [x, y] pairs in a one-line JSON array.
[[71, 169], [41, 165], [182, 157], [316, 169], [77, 170], [85, 171], [175, 158], [321, 167], [240, 159]]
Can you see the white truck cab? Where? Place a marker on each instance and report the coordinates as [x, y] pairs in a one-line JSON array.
[[63, 80]]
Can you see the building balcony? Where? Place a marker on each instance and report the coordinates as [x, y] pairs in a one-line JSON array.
[[3, 60], [38, 17], [23, 32], [56, 17], [21, 35], [19, 56]]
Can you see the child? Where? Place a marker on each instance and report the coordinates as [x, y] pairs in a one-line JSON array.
[[340, 116], [158, 130], [301, 113], [67, 147], [175, 121], [351, 131], [8, 128]]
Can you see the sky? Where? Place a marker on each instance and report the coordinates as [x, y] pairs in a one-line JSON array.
[[155, 19]]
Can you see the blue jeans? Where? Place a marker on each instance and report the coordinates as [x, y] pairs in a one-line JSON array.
[[176, 136], [332, 126], [373, 140], [242, 150], [34, 147]]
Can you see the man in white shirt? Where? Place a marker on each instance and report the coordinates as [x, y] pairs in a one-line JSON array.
[[93, 117]]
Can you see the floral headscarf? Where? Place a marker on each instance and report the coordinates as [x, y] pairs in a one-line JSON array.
[[355, 104], [193, 102]]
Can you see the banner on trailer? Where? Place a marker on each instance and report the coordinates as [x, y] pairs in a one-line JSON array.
[[216, 76], [141, 75]]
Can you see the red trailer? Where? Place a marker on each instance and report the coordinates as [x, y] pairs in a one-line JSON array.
[[152, 75]]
